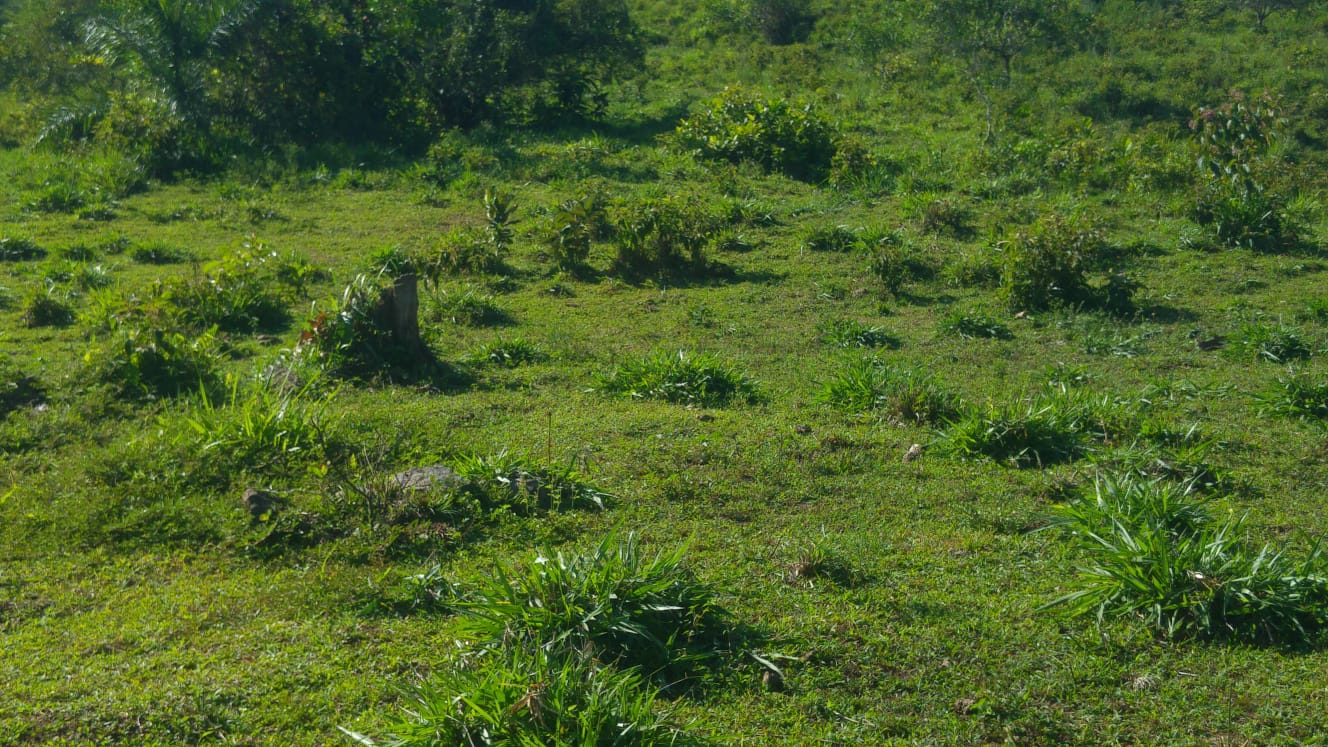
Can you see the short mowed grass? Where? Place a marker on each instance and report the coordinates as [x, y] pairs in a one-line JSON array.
[[982, 440]]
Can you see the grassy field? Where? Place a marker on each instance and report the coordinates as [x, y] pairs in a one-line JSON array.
[[891, 414]]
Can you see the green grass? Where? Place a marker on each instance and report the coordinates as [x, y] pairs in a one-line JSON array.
[[798, 573]]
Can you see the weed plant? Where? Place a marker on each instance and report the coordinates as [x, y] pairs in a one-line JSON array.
[[1046, 266], [469, 305], [1038, 431], [613, 604], [1297, 395], [1153, 554], [1272, 343], [530, 697], [700, 379], [48, 306], [974, 324], [900, 393], [831, 239], [19, 249], [238, 294], [138, 362], [17, 387], [739, 126], [258, 428], [159, 253], [510, 353], [663, 236], [851, 333], [512, 481]]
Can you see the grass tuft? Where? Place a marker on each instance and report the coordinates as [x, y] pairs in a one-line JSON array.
[[693, 379]]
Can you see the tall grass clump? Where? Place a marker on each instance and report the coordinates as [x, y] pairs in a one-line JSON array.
[[701, 379], [851, 333], [261, 425], [1037, 431], [147, 363], [905, 394], [613, 603], [1273, 343], [1297, 395], [529, 697], [17, 387], [665, 236], [513, 481], [1155, 554]]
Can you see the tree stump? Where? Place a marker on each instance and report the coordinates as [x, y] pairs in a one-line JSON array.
[[398, 314]]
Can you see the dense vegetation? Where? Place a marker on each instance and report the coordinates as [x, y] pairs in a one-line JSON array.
[[709, 372]]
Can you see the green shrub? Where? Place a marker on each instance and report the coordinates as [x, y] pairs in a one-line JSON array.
[[350, 337], [260, 426], [740, 126], [666, 235], [147, 363], [571, 228], [904, 394], [1249, 219], [470, 306], [1047, 266], [612, 603], [1155, 554], [1039, 431], [529, 697], [700, 379], [944, 215]]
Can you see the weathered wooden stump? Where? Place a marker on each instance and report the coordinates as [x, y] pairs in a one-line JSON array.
[[398, 313]]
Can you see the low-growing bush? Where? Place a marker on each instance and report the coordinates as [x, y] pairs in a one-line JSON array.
[[903, 394], [17, 387], [261, 425], [139, 362], [740, 126], [238, 294], [1038, 431], [695, 379], [1047, 266], [830, 239], [667, 235], [159, 253], [512, 481], [469, 305], [570, 230]]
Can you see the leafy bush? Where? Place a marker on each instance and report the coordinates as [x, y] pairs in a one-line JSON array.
[[138, 362], [1047, 266], [1233, 139], [905, 394], [943, 215], [530, 697], [1155, 554], [470, 306], [613, 604], [666, 235], [700, 379], [351, 336], [571, 228], [739, 126], [851, 333]]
